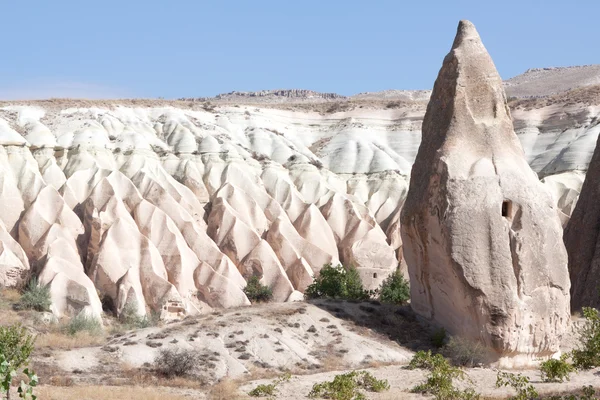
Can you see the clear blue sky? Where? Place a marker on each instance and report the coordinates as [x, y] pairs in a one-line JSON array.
[[186, 48]]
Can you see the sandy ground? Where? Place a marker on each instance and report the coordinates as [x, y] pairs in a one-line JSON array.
[[403, 380], [254, 345]]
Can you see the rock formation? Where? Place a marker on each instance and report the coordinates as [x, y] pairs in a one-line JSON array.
[[179, 202], [581, 237], [480, 233]]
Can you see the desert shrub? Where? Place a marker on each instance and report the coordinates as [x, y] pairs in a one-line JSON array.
[[519, 383], [263, 390], [270, 389], [554, 370], [257, 292], [440, 381], [82, 322], [175, 362], [587, 393], [371, 384], [35, 297], [395, 289], [130, 319], [16, 345], [346, 386], [337, 283], [424, 360], [464, 352], [438, 337], [587, 356]]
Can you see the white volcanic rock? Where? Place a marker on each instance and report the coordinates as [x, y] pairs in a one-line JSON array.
[[14, 265], [481, 237], [128, 266], [47, 233], [565, 188], [225, 192], [262, 261]]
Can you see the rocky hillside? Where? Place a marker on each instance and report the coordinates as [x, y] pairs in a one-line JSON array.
[[145, 202], [539, 82]]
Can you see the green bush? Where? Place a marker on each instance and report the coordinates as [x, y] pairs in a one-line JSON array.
[[337, 283], [257, 292], [554, 370], [464, 352], [35, 297], [519, 383], [440, 381], [587, 356], [395, 289], [263, 390], [81, 322], [16, 345], [346, 386], [270, 389], [130, 319], [425, 360]]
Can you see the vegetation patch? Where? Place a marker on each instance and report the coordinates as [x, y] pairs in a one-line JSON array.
[[440, 381], [257, 292], [176, 362], [520, 383], [554, 370], [587, 356], [82, 323], [270, 389], [35, 297], [337, 283], [346, 386], [130, 319], [16, 345], [464, 352], [395, 289]]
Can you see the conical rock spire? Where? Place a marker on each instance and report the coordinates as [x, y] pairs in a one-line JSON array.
[[482, 239]]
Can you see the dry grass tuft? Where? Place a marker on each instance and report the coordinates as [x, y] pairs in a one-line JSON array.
[[146, 377], [105, 393], [225, 390], [10, 295], [60, 341]]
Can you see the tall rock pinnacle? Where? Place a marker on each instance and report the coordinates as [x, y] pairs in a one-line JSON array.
[[481, 236]]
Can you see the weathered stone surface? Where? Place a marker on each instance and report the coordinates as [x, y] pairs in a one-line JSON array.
[[481, 236], [581, 237]]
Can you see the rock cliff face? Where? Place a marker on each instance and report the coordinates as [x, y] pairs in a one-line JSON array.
[[481, 236], [581, 240]]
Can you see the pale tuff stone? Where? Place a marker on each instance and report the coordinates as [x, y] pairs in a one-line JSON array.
[[481, 235], [581, 240]]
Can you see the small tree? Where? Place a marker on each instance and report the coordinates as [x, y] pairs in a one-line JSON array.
[[395, 289], [256, 291], [554, 370], [337, 283], [16, 345]]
